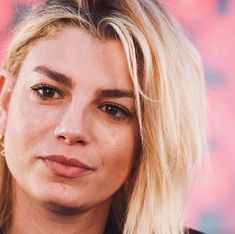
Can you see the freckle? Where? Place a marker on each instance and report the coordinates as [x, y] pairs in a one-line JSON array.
[[62, 186]]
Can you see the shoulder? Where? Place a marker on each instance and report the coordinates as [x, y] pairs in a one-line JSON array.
[[192, 231]]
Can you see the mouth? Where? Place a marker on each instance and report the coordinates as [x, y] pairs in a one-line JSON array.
[[65, 167]]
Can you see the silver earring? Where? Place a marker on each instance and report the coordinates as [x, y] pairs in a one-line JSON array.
[[2, 152]]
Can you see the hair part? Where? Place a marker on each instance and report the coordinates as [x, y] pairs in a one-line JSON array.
[[169, 90]]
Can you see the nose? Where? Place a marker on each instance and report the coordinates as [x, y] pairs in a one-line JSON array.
[[73, 127]]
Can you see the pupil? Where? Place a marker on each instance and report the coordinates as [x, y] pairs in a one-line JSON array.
[[48, 93], [112, 110]]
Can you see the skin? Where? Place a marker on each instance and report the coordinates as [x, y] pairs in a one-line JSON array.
[[76, 119]]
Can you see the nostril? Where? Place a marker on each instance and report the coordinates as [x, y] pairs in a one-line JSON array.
[[81, 142], [65, 139], [71, 139], [71, 136], [62, 137]]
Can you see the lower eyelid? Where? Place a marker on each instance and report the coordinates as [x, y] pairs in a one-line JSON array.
[[121, 108], [46, 86], [122, 113]]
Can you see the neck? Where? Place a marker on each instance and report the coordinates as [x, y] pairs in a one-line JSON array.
[[30, 217]]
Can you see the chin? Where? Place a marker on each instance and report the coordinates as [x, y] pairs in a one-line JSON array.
[[61, 204], [62, 209], [58, 195]]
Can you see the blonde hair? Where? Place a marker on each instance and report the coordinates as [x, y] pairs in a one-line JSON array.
[[169, 89]]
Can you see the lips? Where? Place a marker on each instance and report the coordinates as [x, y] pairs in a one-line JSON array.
[[65, 167]]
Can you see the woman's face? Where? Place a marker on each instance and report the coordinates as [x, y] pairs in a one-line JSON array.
[[71, 130]]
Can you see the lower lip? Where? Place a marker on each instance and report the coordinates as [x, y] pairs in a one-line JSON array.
[[63, 170]]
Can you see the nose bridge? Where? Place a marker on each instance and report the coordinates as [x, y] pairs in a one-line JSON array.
[[74, 123], [75, 115]]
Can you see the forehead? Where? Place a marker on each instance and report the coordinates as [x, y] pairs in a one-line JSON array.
[[79, 54]]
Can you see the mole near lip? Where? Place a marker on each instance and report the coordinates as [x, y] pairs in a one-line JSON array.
[[65, 167]]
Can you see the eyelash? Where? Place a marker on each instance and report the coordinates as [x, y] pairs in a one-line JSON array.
[[120, 108], [42, 87]]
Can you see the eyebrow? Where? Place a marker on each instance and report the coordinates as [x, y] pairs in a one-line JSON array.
[[65, 80], [56, 76], [115, 93]]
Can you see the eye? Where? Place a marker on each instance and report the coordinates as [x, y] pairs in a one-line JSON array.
[[116, 111], [47, 92]]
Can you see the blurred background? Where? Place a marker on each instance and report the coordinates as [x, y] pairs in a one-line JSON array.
[[210, 24]]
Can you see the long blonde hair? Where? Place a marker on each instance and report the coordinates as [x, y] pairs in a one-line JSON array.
[[169, 90]]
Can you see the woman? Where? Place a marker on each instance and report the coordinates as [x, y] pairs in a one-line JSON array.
[[101, 120]]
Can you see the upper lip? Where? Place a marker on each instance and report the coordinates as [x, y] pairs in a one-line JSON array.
[[72, 162]]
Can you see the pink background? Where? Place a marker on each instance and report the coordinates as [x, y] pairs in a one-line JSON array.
[[211, 26]]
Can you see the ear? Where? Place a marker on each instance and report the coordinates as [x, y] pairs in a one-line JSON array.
[[6, 87]]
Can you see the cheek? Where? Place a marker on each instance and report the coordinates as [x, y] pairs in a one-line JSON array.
[[26, 118], [120, 157], [26, 127]]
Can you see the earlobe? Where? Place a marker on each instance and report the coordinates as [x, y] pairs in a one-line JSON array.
[[6, 85]]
